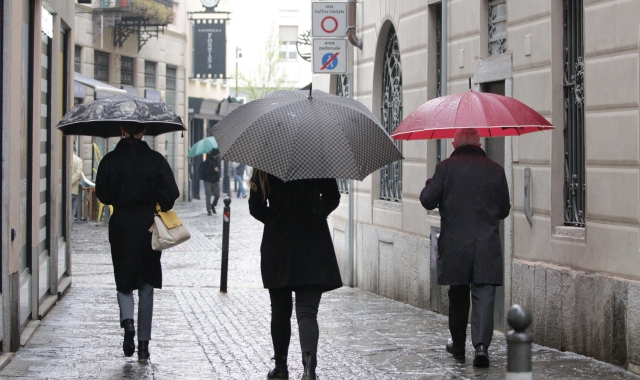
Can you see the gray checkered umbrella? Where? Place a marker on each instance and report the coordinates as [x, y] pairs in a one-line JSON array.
[[292, 135]]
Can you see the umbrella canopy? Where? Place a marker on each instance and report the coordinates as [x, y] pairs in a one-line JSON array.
[[203, 146], [493, 115], [299, 134], [104, 117]]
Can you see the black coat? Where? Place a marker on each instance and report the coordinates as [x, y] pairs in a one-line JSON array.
[[133, 178], [297, 248], [207, 170], [472, 195]]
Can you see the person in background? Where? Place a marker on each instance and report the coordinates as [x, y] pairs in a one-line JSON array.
[[472, 196], [297, 256], [135, 179], [239, 175], [209, 172], [76, 174]]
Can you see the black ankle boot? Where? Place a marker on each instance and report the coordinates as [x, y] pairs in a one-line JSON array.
[[280, 372], [143, 350], [128, 346], [309, 361]]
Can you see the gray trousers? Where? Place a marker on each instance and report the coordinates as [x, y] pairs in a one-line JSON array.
[[74, 206], [483, 296], [211, 188], [145, 309]]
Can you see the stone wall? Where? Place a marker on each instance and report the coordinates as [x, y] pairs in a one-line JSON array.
[[592, 314]]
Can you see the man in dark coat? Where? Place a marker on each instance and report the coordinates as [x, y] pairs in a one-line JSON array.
[[472, 195], [133, 178], [209, 172]]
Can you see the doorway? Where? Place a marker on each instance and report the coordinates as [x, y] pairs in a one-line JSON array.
[[494, 147]]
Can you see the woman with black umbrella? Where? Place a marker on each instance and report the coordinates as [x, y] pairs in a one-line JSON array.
[[297, 255], [133, 178]]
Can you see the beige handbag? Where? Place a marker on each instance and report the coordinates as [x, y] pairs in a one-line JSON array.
[[167, 230]]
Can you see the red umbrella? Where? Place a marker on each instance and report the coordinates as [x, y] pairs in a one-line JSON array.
[[493, 115]]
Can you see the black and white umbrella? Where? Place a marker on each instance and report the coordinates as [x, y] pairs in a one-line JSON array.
[[303, 134], [104, 117]]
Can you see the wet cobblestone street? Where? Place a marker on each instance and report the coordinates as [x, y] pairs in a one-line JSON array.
[[200, 333]]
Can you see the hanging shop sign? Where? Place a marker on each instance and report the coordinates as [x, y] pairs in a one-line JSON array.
[[209, 48], [154, 95], [329, 56], [329, 19]]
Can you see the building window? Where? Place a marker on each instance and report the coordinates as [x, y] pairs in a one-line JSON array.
[[342, 89], [441, 145], [171, 78], [497, 27], [391, 104], [77, 59], [574, 158], [126, 70], [101, 66], [288, 38], [150, 74]]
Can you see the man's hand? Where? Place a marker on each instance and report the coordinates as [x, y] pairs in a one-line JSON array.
[[216, 169]]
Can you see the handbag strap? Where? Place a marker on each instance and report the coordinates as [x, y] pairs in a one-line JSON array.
[[157, 207]]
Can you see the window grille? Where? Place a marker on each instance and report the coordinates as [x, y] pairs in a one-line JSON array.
[[391, 104], [574, 157], [342, 89], [438, 11], [101, 66], [150, 74], [171, 78], [497, 27], [77, 59], [126, 70]]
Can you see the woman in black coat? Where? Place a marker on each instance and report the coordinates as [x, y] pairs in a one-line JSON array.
[[297, 255], [133, 178]]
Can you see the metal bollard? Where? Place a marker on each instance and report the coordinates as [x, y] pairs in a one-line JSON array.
[[519, 344], [226, 218]]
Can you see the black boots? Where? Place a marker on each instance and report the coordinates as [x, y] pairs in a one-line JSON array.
[[128, 346], [456, 351], [281, 372], [481, 359], [143, 350], [309, 361]]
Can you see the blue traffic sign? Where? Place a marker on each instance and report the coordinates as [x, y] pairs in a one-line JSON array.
[[330, 61]]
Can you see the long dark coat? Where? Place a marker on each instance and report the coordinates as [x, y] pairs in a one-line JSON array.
[[296, 245], [133, 178], [472, 195]]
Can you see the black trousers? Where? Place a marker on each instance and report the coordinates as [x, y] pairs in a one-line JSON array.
[[307, 302], [483, 296]]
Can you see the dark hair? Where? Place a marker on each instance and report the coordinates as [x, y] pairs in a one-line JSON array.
[[259, 181], [133, 128]]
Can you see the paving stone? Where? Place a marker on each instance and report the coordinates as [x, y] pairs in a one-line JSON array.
[[200, 333]]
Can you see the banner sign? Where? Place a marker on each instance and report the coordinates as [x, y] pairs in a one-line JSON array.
[[153, 95], [209, 49]]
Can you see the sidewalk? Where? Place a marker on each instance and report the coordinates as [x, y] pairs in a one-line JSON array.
[[199, 333]]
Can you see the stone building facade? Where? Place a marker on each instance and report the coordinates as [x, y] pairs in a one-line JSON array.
[[37, 85], [574, 259], [150, 63]]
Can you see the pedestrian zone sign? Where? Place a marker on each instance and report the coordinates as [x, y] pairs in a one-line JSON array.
[[329, 19], [329, 56]]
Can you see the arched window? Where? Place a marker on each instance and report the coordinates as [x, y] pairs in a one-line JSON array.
[[391, 104]]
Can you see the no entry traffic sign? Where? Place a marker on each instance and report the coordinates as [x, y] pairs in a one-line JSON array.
[[329, 56], [329, 19]]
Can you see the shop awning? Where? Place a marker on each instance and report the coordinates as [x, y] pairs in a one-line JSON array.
[[97, 85]]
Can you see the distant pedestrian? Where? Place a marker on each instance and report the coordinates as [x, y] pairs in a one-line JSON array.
[[76, 174], [472, 195], [239, 175], [210, 173], [297, 255], [133, 178]]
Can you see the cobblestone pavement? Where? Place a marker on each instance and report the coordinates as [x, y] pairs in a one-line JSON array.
[[199, 333]]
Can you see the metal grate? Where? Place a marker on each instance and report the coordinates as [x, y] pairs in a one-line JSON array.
[[126, 70], [171, 78], [574, 152], [497, 27], [391, 174], [438, 11], [101, 66], [342, 89], [150, 74], [77, 59]]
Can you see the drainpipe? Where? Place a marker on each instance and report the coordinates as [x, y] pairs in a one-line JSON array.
[[445, 48], [351, 24]]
